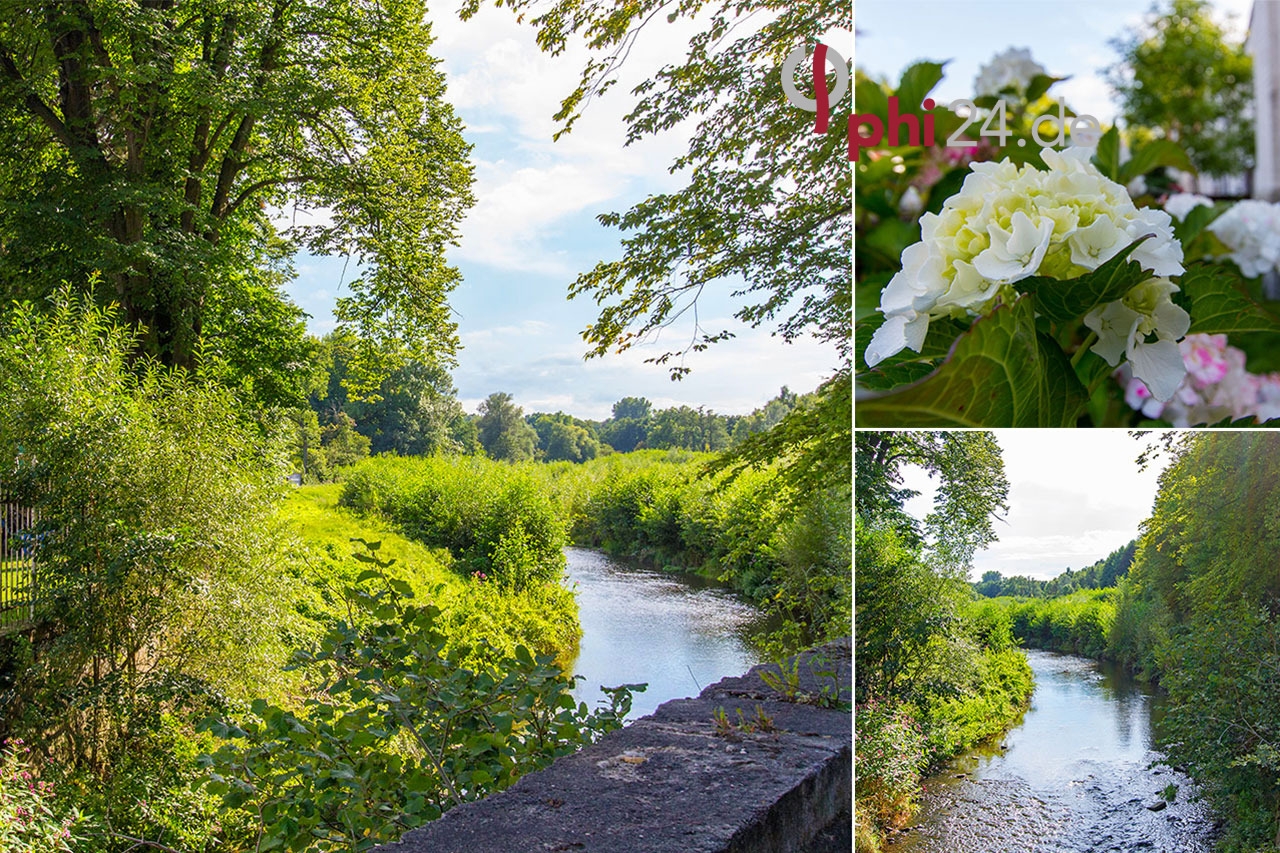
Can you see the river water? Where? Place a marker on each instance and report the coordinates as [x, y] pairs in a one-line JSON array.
[[1076, 774], [677, 632]]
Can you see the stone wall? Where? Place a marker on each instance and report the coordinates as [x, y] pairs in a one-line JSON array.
[[676, 781]]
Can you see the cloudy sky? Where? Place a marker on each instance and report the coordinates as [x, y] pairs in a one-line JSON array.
[[534, 229], [1070, 39], [1074, 497]]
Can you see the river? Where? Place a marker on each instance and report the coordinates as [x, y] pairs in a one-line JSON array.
[[677, 632], [1076, 774]]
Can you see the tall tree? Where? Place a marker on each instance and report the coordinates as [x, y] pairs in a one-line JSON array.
[[972, 487], [1182, 77], [503, 431], [629, 426], [150, 141]]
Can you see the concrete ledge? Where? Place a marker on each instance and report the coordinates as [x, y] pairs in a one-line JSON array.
[[669, 783]]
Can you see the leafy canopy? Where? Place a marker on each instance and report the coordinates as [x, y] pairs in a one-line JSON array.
[[151, 141]]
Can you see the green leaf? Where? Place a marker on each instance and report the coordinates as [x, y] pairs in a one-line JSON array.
[[1040, 84], [1000, 373], [870, 98], [1069, 299], [886, 377], [1156, 153], [1220, 305], [1197, 218], [916, 84], [1108, 157]]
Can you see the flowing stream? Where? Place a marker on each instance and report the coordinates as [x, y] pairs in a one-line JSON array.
[[1079, 773], [676, 632]]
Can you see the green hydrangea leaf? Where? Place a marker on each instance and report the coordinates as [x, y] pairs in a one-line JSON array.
[[1001, 373]]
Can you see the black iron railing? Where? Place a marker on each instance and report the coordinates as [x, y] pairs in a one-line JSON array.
[[17, 568]]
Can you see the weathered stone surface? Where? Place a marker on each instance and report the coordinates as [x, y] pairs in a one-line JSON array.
[[673, 782]]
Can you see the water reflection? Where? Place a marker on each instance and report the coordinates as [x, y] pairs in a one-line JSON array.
[[677, 632]]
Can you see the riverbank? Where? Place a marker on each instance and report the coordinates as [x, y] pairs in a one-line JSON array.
[[1080, 772]]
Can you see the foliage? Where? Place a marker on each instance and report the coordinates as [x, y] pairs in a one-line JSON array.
[[766, 197], [1198, 612], [413, 412], [909, 618], [564, 438], [935, 671], [398, 730], [153, 560], [1181, 78], [482, 621], [1080, 623], [493, 518], [972, 486], [150, 142], [503, 431], [1104, 573]]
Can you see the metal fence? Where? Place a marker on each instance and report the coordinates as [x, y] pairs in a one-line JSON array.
[[17, 572]]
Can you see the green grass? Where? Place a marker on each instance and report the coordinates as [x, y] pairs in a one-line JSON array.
[[477, 615], [14, 581]]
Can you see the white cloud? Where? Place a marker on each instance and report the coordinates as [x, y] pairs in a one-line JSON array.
[[1074, 497]]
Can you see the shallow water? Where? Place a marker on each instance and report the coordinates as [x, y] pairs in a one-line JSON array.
[[677, 632], [1077, 774]]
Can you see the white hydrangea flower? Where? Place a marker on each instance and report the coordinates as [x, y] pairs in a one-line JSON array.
[[1123, 328], [1012, 69], [1009, 223], [1251, 229], [1178, 205]]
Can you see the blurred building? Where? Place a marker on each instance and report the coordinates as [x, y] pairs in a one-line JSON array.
[[1263, 44]]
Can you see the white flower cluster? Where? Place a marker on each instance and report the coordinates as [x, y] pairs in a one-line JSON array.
[[1251, 230], [1007, 224], [1216, 387], [1012, 69], [1178, 205]]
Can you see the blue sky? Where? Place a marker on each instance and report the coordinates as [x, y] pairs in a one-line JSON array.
[[533, 230], [1068, 37]]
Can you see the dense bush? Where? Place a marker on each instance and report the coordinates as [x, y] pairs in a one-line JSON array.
[[492, 517], [1080, 623], [157, 596], [935, 672], [1199, 613], [482, 620]]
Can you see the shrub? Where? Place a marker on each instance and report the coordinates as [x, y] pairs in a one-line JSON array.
[[397, 731]]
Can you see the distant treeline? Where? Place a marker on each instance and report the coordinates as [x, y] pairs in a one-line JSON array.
[[1102, 574], [415, 412]]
